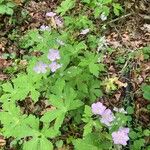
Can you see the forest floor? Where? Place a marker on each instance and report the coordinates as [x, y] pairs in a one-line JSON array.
[[124, 35]]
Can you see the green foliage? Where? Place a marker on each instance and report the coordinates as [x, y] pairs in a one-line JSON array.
[[65, 6], [6, 7], [21, 126], [92, 141], [20, 88], [67, 93], [103, 7], [146, 91]]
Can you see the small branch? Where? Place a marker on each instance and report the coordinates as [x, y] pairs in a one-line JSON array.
[[122, 17], [145, 17]]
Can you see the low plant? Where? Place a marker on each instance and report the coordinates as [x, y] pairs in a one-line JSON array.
[[6, 7]]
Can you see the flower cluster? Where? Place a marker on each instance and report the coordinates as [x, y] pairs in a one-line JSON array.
[[58, 21], [53, 55], [56, 18], [121, 136], [106, 114], [44, 28]]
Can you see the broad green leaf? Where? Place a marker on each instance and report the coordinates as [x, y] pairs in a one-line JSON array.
[[65, 6], [117, 8], [75, 104], [38, 144], [94, 69], [7, 87], [56, 101], [51, 115], [88, 128], [59, 121], [146, 91], [34, 95]]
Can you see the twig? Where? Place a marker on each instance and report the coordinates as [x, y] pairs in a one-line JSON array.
[[124, 16], [145, 17]]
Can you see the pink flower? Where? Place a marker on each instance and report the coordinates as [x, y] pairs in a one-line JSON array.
[[107, 117], [54, 66], [85, 31], [40, 68], [43, 28], [58, 22], [98, 108], [121, 136], [50, 14], [53, 55]]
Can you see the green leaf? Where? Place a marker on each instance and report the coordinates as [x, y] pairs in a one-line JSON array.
[[94, 69], [9, 11], [146, 91], [2, 9], [86, 1], [65, 6], [59, 121], [88, 128], [76, 104], [58, 87], [51, 115], [88, 111], [117, 8], [97, 12], [138, 144], [130, 110], [80, 144], [35, 95], [15, 124], [56, 101], [7, 87], [38, 144]]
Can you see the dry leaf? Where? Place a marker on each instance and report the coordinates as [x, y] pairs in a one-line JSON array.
[[120, 84], [2, 142]]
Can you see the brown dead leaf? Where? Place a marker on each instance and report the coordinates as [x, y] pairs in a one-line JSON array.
[[2, 142], [4, 63], [121, 84], [118, 95], [3, 77]]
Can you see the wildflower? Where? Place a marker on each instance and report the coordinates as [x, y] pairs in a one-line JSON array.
[[43, 28], [58, 22], [60, 42], [121, 136], [53, 55], [85, 31], [102, 43], [98, 108], [121, 110], [107, 117], [40, 68], [103, 17], [50, 14], [54, 66]]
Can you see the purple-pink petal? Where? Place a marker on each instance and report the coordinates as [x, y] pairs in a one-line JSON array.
[[54, 66], [98, 108], [121, 136], [58, 22], [40, 68], [43, 28], [50, 14], [107, 117], [53, 55]]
